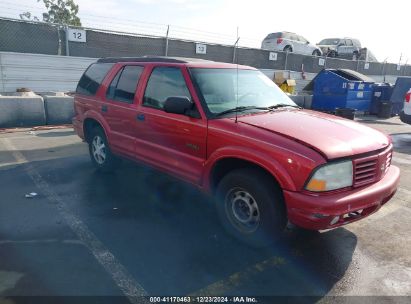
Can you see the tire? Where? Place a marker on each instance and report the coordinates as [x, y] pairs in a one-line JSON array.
[[316, 53], [288, 49], [332, 54], [100, 152], [251, 207], [355, 56]]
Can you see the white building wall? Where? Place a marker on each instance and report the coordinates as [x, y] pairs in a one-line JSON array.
[[40, 73], [43, 73]]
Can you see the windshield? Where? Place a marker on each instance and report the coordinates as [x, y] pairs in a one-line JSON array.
[[221, 91], [330, 41]]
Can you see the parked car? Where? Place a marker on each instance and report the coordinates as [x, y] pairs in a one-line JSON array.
[[290, 42], [341, 47], [405, 114], [231, 132]]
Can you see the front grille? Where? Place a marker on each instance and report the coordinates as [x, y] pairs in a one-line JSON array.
[[388, 161], [365, 170], [372, 168]]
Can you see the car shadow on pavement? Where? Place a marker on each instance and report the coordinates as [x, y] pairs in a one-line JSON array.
[[167, 236], [402, 142], [379, 122], [182, 248]]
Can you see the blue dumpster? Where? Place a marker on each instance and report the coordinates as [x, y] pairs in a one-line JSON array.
[[402, 86], [381, 93], [342, 88]]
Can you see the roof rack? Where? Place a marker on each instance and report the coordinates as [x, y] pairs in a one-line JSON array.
[[150, 59]]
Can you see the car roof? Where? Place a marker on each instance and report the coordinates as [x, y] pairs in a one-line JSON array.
[[190, 62]]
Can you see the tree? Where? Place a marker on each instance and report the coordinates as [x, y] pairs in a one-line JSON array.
[[58, 11]]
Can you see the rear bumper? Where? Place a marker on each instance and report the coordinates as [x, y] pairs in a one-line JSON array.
[[78, 127], [318, 212], [405, 118]]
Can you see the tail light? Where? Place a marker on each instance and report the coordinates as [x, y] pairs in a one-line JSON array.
[[408, 96], [279, 40]]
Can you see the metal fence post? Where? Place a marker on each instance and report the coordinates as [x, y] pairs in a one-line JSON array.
[[67, 40], [166, 51], [2, 75], [383, 70], [286, 61], [235, 49]]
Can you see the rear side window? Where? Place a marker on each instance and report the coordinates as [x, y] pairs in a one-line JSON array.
[[92, 78], [164, 82], [123, 86]]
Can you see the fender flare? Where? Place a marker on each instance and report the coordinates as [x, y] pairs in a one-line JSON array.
[[264, 161], [100, 119]]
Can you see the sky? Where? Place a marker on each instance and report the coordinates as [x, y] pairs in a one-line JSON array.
[[382, 26]]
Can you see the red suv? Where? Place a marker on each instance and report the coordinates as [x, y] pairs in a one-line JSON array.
[[230, 131]]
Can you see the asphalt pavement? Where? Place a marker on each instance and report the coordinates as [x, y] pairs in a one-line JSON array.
[[138, 232]]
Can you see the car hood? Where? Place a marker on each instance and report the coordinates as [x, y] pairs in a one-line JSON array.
[[332, 136]]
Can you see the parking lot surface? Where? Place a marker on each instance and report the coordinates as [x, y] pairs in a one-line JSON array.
[[139, 232]]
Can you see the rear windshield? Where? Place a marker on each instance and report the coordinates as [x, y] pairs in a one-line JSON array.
[[274, 35], [92, 78], [330, 41]]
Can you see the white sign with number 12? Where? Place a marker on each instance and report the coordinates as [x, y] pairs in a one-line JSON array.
[[76, 35]]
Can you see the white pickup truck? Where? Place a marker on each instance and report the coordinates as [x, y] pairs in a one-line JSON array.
[[405, 115]]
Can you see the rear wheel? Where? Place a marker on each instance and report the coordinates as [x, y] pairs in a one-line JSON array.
[[332, 53], [100, 152], [288, 49], [251, 207]]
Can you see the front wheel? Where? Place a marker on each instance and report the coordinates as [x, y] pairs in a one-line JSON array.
[[251, 207], [316, 53], [100, 152]]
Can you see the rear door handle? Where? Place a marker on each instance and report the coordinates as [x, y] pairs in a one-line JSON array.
[[104, 108], [141, 117]]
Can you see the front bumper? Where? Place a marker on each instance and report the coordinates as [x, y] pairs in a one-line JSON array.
[[320, 211]]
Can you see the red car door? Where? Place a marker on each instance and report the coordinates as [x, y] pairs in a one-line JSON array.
[[120, 109], [176, 143]]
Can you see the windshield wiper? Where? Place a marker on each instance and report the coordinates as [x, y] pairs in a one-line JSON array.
[[241, 109], [283, 105]]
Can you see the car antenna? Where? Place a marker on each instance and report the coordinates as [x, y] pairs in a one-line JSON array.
[[235, 59]]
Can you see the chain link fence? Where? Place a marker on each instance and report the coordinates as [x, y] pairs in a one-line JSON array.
[[44, 38]]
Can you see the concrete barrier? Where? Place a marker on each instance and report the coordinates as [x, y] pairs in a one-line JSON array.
[[298, 99], [304, 101], [59, 109], [22, 111]]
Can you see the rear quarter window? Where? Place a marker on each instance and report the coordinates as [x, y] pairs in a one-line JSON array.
[[92, 78]]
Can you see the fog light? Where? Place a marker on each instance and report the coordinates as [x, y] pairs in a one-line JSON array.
[[334, 220]]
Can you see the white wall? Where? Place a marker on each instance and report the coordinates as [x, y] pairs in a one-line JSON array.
[[40, 73]]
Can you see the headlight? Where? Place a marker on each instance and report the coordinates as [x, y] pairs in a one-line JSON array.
[[331, 177]]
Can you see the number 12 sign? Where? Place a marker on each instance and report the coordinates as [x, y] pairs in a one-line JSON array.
[[76, 35]]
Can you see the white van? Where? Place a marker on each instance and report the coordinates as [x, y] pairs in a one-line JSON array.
[[405, 115]]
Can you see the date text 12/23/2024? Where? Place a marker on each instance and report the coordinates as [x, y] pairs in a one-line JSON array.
[[203, 299]]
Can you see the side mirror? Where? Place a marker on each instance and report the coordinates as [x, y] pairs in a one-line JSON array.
[[308, 42], [178, 105]]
